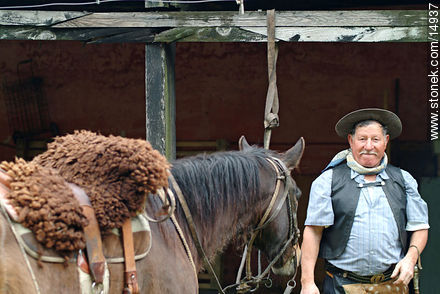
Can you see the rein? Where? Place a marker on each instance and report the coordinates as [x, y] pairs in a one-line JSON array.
[[283, 175]]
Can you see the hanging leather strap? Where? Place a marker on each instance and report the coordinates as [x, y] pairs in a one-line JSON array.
[[131, 281], [271, 119]]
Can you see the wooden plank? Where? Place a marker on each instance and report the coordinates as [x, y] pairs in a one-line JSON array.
[[144, 35], [220, 34], [353, 18], [100, 35], [310, 34], [292, 26], [36, 17], [347, 34], [160, 98]]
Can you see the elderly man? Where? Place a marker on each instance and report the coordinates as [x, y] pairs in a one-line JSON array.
[[365, 216]]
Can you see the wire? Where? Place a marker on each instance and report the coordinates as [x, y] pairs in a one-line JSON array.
[[58, 4], [103, 1]]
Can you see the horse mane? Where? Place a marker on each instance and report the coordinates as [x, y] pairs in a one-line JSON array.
[[218, 187]]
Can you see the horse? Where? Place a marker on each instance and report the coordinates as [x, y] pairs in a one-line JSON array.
[[227, 193]]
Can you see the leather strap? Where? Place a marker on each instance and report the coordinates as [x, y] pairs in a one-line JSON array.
[[131, 282], [93, 236], [192, 228], [94, 245], [271, 119]]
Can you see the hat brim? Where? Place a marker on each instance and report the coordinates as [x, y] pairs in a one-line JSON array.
[[387, 118]]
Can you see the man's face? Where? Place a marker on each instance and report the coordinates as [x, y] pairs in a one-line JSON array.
[[368, 144]]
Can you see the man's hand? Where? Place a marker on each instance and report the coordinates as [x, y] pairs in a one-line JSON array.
[[404, 271], [309, 288]]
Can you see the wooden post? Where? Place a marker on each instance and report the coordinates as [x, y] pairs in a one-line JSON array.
[[160, 98]]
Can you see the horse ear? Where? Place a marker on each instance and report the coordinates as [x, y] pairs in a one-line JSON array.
[[292, 157], [243, 144]]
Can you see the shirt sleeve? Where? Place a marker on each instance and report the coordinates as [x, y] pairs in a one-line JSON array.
[[416, 207], [320, 210]]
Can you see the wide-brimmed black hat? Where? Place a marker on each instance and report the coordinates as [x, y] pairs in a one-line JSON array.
[[387, 118]]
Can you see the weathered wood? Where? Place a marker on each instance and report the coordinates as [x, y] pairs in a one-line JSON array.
[[328, 34], [36, 17], [347, 34], [292, 26], [219, 34], [43, 33], [101, 35], [160, 98], [362, 18], [132, 35]]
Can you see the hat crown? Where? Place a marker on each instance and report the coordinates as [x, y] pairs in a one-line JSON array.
[[387, 118]]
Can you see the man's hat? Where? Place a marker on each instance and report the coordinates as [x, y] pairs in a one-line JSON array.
[[387, 118]]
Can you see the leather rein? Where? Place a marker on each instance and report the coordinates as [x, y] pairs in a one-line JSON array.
[[250, 283]]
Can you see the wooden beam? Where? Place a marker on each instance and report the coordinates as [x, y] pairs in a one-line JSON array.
[[36, 17], [307, 34], [292, 26], [100, 35], [358, 18], [160, 98]]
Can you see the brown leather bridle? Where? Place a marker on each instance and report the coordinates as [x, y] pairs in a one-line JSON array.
[[251, 283]]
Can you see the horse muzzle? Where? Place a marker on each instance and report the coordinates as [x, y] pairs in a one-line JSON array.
[[290, 266]]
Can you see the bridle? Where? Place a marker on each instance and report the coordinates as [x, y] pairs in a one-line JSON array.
[[251, 283]]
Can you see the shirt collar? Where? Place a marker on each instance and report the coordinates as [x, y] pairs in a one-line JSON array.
[[360, 178]]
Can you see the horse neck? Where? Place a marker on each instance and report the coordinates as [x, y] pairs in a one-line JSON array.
[[217, 219]]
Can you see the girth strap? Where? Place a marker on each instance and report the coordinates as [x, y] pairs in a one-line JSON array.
[[131, 281]]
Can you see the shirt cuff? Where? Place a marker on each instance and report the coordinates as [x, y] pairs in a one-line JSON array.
[[415, 226]]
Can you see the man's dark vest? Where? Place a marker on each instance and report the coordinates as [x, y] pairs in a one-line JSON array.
[[345, 198]]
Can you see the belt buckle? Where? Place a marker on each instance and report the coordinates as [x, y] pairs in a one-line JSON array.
[[377, 278]]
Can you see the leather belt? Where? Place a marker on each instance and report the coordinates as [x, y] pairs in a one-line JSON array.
[[374, 279]]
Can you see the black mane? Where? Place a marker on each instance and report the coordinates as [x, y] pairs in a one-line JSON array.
[[213, 182]]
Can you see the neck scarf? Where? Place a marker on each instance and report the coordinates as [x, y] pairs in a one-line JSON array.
[[354, 165]]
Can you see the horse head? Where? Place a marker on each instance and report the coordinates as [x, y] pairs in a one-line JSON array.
[[277, 233]]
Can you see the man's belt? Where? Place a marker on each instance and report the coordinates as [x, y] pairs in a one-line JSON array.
[[374, 279]]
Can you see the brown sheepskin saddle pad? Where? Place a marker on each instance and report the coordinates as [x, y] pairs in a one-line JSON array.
[[112, 243], [117, 174]]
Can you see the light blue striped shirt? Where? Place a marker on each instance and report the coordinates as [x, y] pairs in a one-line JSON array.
[[373, 245]]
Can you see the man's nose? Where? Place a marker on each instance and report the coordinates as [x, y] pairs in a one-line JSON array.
[[369, 145]]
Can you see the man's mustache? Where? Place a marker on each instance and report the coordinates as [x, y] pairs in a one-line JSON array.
[[368, 152]]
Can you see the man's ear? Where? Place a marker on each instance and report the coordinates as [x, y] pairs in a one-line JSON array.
[[350, 139], [243, 144], [293, 156]]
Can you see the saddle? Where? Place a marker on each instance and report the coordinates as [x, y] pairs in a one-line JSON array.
[[101, 249]]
